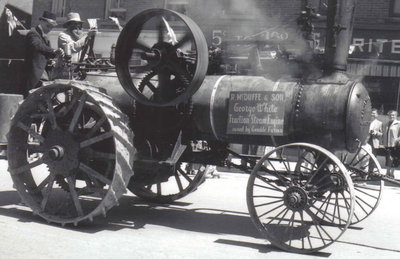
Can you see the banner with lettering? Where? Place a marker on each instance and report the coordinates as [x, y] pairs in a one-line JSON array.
[[256, 113]]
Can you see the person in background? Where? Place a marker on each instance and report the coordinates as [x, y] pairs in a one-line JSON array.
[[391, 139], [375, 131], [375, 135], [72, 40], [39, 52]]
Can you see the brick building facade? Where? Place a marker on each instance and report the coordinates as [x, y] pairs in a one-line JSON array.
[[376, 36]]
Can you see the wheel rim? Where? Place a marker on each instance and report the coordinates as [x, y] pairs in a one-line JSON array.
[[178, 186], [287, 191], [65, 170], [168, 69], [364, 171]]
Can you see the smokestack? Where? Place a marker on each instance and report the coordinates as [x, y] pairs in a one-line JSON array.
[[339, 25]]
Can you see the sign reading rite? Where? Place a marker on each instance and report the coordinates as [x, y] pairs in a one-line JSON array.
[[256, 113]]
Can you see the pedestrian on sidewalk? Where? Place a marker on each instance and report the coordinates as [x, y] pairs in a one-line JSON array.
[[391, 140]]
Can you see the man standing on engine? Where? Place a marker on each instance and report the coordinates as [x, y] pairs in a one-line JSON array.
[[72, 40], [39, 51]]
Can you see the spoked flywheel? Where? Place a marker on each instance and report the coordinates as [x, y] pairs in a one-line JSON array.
[[365, 171], [161, 57], [70, 152], [291, 188]]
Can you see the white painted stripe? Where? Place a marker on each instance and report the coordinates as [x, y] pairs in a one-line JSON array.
[[212, 105]]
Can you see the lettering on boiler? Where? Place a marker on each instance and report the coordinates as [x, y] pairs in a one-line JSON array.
[[256, 113]]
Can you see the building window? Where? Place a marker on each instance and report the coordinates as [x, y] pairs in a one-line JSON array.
[[323, 7], [394, 8], [58, 7], [114, 9]]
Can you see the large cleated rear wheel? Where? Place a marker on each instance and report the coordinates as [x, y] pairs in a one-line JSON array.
[[70, 152], [365, 171], [291, 188]]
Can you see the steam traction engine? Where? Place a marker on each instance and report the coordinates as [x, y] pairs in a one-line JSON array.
[[75, 147]]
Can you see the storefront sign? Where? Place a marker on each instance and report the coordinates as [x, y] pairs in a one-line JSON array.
[[256, 113], [368, 43]]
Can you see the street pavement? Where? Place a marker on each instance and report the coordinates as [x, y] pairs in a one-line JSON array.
[[212, 222]]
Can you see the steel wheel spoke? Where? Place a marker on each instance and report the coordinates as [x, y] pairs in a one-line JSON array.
[[365, 187], [47, 192], [66, 108], [366, 203], [277, 215], [265, 181], [359, 204], [151, 87], [275, 208], [276, 173], [94, 173], [158, 189], [30, 131], [318, 170], [185, 175], [287, 166], [74, 195], [266, 187], [355, 156], [372, 196], [77, 113], [187, 37], [96, 139], [360, 160], [52, 115], [27, 166], [268, 196], [141, 45], [102, 155], [268, 203], [96, 127], [316, 224], [43, 183], [178, 181], [283, 216]]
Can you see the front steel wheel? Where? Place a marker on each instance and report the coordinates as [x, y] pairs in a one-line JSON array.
[[291, 188]]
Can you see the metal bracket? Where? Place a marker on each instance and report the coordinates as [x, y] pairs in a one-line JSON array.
[[337, 28], [177, 151]]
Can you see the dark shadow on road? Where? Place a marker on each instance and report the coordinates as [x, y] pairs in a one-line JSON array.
[[263, 248], [373, 247], [134, 214], [9, 197]]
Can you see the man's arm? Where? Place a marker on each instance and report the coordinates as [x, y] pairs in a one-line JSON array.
[[76, 46], [379, 132], [35, 41]]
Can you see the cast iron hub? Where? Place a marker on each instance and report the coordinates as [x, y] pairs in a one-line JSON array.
[[295, 198], [339, 183], [62, 152]]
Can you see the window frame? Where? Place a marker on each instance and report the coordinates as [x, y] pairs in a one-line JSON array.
[[391, 9]]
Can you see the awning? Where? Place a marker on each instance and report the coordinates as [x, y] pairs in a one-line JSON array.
[[374, 67]]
